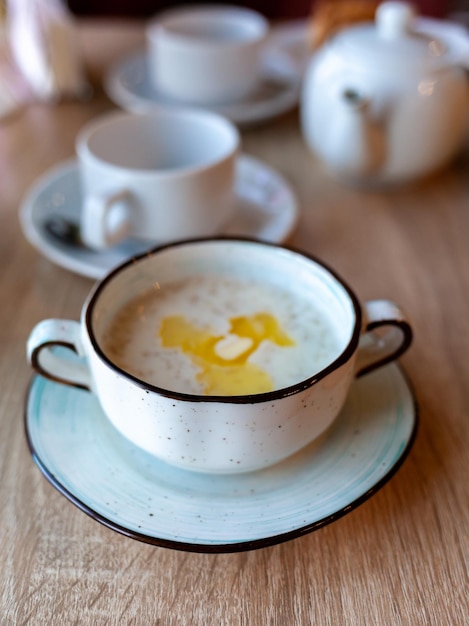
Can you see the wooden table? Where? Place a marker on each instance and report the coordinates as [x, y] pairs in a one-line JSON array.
[[400, 558]]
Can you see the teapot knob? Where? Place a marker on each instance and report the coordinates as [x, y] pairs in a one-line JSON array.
[[394, 19]]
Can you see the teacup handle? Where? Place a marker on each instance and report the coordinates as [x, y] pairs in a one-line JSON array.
[[106, 219], [378, 348], [69, 366]]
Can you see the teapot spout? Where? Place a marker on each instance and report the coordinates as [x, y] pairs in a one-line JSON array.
[[356, 147]]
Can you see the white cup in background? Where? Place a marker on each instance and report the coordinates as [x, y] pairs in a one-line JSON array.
[[159, 176], [206, 55]]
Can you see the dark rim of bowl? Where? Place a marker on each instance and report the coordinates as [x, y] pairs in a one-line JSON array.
[[276, 394]]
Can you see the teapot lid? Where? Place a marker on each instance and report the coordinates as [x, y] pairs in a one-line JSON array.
[[391, 41]]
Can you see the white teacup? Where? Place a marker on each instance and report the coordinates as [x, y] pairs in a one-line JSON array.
[[206, 55], [158, 176], [292, 350]]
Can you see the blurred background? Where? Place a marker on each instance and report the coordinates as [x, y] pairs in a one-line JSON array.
[[273, 9]]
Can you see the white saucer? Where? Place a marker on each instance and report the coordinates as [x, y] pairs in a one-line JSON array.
[[129, 491], [291, 38], [267, 210], [128, 84]]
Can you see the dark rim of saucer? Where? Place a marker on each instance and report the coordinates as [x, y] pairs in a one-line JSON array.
[[227, 547], [276, 394]]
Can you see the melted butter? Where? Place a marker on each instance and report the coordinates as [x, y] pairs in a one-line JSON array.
[[232, 375]]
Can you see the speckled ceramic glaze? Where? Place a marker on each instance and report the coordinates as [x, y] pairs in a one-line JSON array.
[[222, 434], [135, 494]]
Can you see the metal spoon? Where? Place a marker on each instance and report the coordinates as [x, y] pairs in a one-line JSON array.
[[67, 232], [64, 230]]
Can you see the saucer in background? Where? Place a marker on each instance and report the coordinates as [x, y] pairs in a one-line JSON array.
[[267, 210], [129, 86]]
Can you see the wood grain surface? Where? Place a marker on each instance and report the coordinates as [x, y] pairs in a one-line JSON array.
[[399, 559]]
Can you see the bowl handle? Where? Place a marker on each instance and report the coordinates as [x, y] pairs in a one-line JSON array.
[[386, 334], [55, 350]]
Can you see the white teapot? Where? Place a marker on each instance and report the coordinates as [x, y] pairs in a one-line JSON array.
[[388, 102]]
